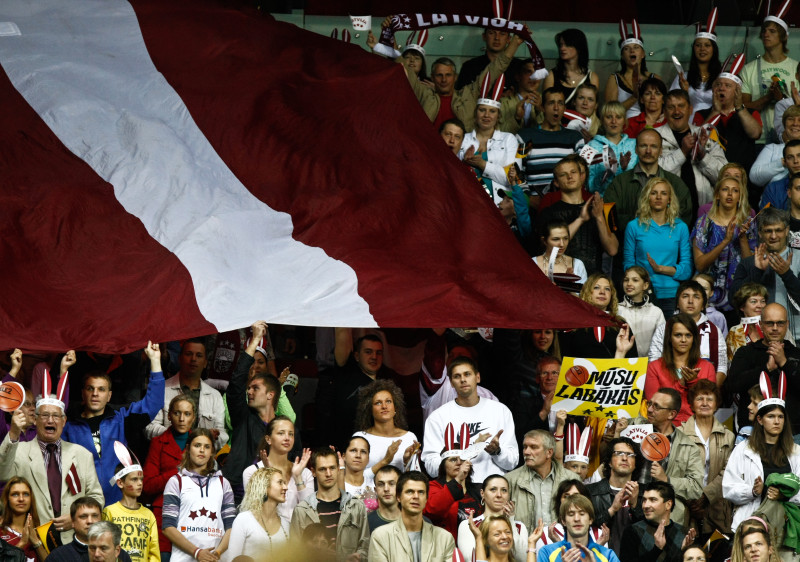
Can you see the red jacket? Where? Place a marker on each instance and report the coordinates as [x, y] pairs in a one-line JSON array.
[[445, 501], [161, 465]]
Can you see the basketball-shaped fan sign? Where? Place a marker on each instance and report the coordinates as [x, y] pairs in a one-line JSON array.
[[12, 395], [655, 447], [601, 388], [577, 375]]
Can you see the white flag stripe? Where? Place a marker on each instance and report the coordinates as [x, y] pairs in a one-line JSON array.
[[84, 68]]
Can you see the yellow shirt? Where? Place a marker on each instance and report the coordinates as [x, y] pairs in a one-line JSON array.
[[139, 531]]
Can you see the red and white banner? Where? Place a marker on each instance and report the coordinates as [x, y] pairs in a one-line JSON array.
[[171, 169]]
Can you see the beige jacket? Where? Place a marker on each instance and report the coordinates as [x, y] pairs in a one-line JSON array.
[[523, 495], [685, 470], [720, 447], [464, 100], [390, 542], [25, 459], [352, 532]]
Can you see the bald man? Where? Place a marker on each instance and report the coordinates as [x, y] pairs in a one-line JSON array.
[[772, 354]]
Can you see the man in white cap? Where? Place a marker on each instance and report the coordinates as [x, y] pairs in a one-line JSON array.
[[59, 472], [760, 90]]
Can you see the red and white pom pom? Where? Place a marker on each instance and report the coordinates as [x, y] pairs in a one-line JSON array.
[[635, 38], [637, 33], [599, 333]]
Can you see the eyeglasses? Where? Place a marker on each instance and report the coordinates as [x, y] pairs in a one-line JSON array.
[[656, 407], [774, 323], [623, 454], [48, 417]]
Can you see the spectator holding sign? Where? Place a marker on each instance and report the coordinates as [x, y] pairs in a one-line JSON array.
[[680, 366], [684, 463]]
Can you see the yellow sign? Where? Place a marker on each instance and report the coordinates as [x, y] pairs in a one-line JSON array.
[[601, 388]]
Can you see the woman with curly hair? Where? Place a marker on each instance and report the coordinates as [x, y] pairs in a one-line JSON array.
[[381, 421], [259, 530], [20, 519], [658, 240], [599, 291]]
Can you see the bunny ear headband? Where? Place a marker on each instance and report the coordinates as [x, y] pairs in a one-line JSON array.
[[489, 96], [779, 15], [129, 462], [460, 448], [736, 65], [711, 26], [47, 398], [418, 45], [578, 444], [766, 391], [635, 38]]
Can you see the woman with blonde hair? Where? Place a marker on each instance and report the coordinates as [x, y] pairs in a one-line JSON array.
[[259, 530], [723, 237], [601, 174], [599, 291], [658, 240]]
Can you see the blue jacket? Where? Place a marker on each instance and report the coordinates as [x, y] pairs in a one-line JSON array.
[[775, 194], [552, 552], [667, 246], [113, 428], [596, 171]]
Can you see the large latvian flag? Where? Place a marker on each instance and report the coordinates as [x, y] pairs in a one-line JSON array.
[[175, 168]]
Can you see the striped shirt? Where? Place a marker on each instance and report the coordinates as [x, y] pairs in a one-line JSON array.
[[543, 150]]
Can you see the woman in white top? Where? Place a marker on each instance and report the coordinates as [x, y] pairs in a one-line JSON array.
[[381, 421], [770, 449], [274, 452], [497, 502], [704, 67], [488, 150], [259, 531]]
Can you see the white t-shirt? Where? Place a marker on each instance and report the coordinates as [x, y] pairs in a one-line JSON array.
[[378, 446]]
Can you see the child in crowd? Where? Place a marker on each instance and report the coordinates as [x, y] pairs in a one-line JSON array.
[[138, 524], [713, 314], [641, 315]]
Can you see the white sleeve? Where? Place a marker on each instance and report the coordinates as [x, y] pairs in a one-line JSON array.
[[579, 269], [768, 164], [433, 444], [722, 352], [237, 540], [737, 483], [657, 343], [508, 457], [495, 171], [465, 540]]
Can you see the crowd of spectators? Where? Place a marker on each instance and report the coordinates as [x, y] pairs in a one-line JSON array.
[[637, 201]]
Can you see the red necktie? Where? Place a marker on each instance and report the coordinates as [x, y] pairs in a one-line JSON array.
[[54, 479]]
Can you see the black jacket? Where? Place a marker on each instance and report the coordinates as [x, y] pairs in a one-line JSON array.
[[745, 370]]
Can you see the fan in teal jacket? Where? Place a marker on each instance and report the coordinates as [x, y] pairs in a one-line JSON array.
[[115, 425], [600, 177]]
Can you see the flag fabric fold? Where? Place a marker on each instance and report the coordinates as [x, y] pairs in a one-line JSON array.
[[173, 169]]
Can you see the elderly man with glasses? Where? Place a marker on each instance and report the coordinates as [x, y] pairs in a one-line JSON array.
[[59, 472], [775, 266], [772, 355]]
